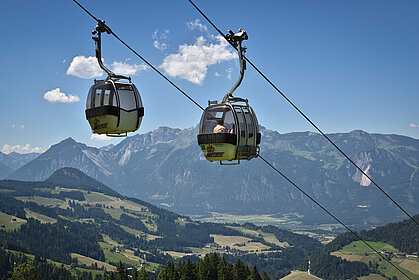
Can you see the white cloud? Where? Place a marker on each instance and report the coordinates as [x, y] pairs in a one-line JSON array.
[[87, 67], [123, 68], [216, 74], [84, 67], [414, 125], [192, 25], [160, 38], [192, 61], [7, 149], [56, 96], [229, 71], [15, 126], [100, 137]]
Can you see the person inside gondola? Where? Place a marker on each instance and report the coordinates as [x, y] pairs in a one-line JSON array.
[[220, 128]]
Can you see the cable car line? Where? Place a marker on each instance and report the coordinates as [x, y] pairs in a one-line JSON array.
[[330, 214], [141, 57], [304, 115], [230, 92]]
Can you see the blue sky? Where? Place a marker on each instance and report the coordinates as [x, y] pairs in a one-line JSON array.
[[347, 64]]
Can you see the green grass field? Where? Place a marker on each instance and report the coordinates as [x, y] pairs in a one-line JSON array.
[[238, 242], [268, 237], [360, 247], [358, 251], [10, 223], [289, 221], [73, 270], [44, 201], [89, 261], [42, 218]]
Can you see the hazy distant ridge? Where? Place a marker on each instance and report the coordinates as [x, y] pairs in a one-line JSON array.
[[166, 166]]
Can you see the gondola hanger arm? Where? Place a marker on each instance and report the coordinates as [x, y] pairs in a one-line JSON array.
[[99, 29], [236, 40]]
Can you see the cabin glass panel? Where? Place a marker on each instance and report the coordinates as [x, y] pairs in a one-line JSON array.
[[89, 103], [242, 125], [217, 114], [98, 97], [101, 95], [107, 97], [126, 97], [250, 127]]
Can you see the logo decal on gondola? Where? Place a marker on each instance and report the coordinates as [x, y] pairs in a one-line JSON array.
[[211, 152], [98, 125]]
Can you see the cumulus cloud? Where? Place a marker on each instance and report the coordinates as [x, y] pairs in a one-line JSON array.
[[87, 68], [160, 38], [414, 125], [56, 96], [123, 68], [192, 25], [229, 71], [192, 61], [100, 137], [21, 149], [22, 126], [84, 67]]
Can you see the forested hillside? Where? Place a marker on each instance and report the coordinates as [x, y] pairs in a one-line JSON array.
[[74, 220], [348, 257]]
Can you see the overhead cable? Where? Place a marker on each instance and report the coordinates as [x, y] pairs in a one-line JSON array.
[[307, 118], [354, 233], [331, 215], [141, 57]]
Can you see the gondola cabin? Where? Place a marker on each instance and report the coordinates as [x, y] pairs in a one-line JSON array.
[[114, 108], [229, 131]]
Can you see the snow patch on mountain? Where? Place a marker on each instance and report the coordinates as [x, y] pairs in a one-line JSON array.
[[125, 157], [364, 161], [98, 161]]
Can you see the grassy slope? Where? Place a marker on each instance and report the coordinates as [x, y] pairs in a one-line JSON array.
[[358, 251], [8, 222], [115, 206], [58, 264]]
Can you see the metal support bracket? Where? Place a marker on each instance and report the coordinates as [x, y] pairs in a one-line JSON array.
[[236, 40], [100, 28]]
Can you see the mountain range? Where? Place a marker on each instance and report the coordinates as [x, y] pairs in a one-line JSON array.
[[10, 162], [166, 167]]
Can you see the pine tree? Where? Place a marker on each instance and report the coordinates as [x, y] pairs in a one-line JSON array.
[[225, 270], [188, 271], [254, 275], [143, 275], [240, 271], [265, 276], [25, 271], [122, 271]]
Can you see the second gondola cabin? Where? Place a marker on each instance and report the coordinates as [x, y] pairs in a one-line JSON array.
[[229, 131], [114, 107]]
